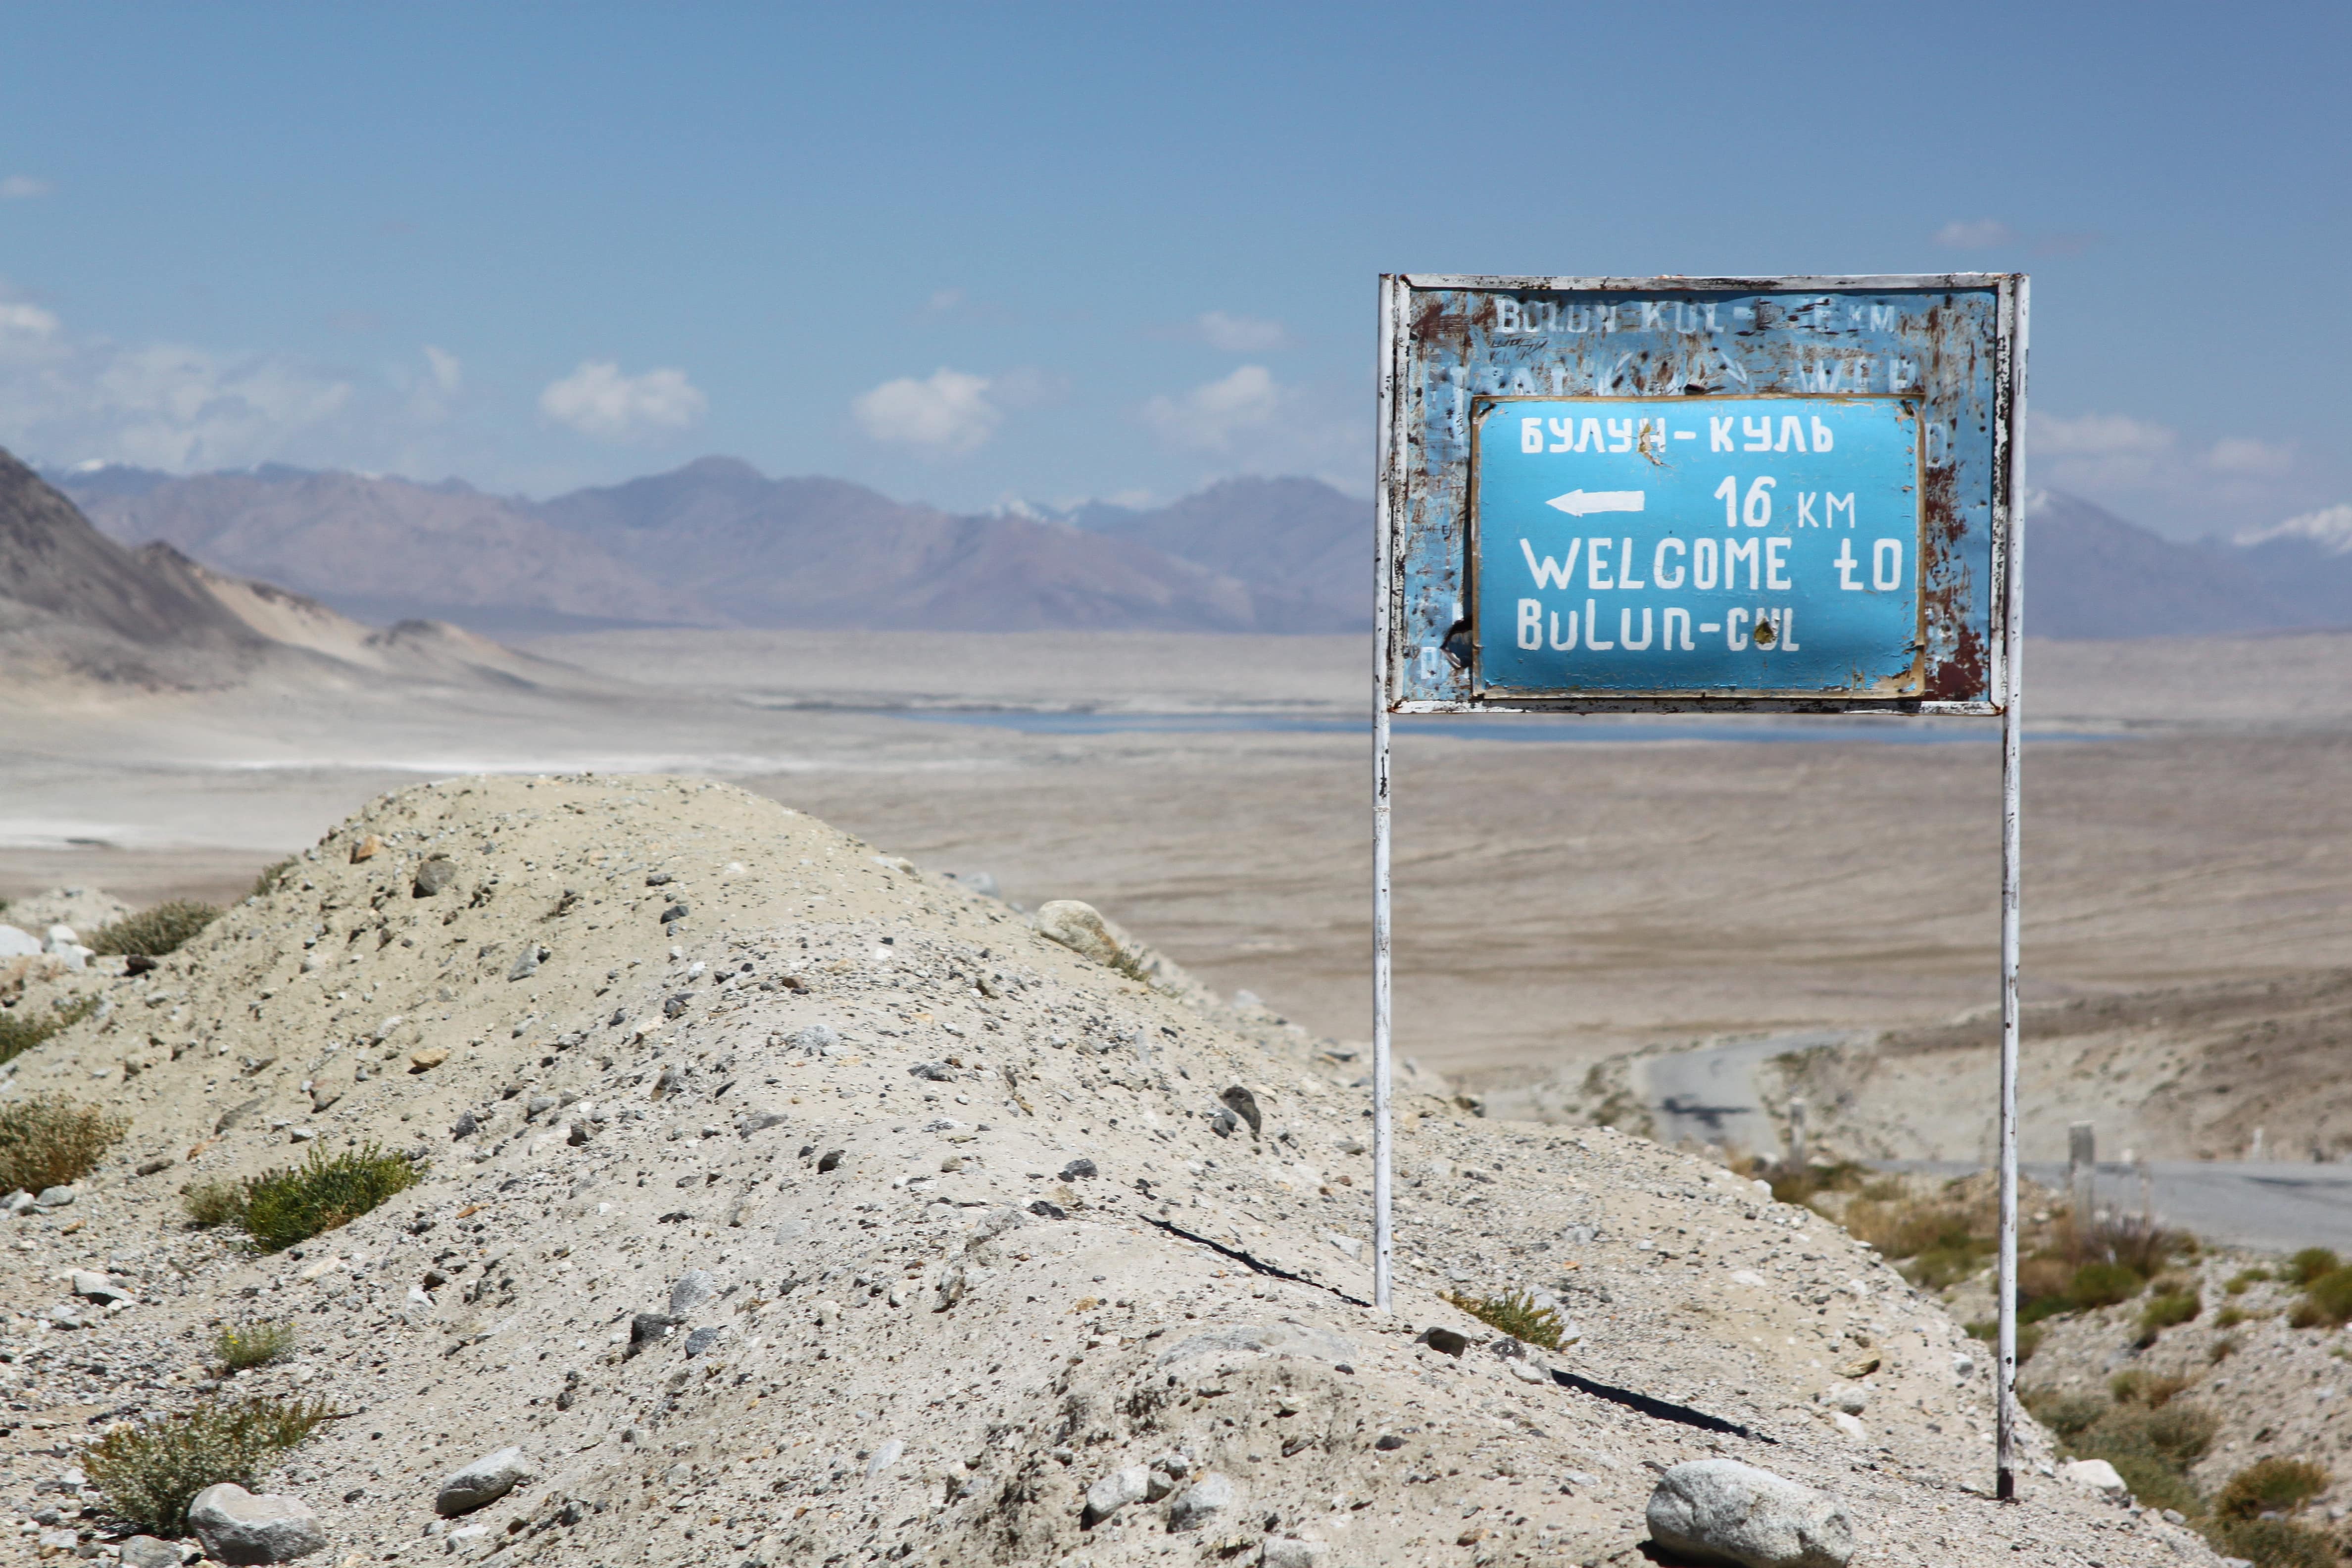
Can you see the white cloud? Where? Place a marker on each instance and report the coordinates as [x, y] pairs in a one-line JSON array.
[[22, 187], [1975, 233], [1220, 416], [1249, 422], [448, 371], [2153, 473], [2330, 528], [1241, 334], [25, 330], [946, 415], [598, 401]]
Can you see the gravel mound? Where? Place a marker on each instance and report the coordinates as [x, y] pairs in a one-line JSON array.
[[793, 1204]]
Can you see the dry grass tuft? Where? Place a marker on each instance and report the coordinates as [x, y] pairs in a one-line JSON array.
[[240, 1347], [1515, 1315], [154, 932], [148, 1473], [51, 1142], [20, 1033]]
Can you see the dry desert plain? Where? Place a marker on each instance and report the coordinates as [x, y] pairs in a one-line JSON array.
[[1566, 888]]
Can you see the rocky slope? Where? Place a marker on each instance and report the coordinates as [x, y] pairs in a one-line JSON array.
[[787, 1204]]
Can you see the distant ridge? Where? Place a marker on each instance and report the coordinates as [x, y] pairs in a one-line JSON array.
[[716, 542], [79, 611]]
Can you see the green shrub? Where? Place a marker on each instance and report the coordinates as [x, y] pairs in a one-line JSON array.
[[285, 1208], [1516, 1315], [49, 1142], [2311, 1263], [148, 1473], [211, 1204], [19, 1033], [2270, 1486], [2230, 1318], [272, 877], [2274, 1543], [2102, 1285], [156, 931], [2245, 1278], [2068, 1414], [2028, 1336], [241, 1346], [2166, 1312], [2145, 1388], [2326, 1301]]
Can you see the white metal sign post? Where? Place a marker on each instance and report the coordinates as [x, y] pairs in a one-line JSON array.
[[1799, 495]]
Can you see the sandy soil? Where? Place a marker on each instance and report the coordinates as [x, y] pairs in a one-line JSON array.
[[1558, 899], [839, 1215]]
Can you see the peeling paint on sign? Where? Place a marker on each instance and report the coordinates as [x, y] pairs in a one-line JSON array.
[[1680, 493]]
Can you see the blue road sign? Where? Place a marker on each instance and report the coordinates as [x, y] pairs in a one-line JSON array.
[[1691, 493], [1765, 545]]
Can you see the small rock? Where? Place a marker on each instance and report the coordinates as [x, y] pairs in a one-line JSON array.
[[760, 1120], [465, 1126], [658, 878], [703, 1341], [528, 961], [437, 873], [18, 943], [830, 1159], [1115, 1491], [1853, 1401], [1723, 1511], [884, 1457], [933, 1072], [1080, 928], [648, 1328], [694, 1288], [1244, 1104], [1528, 1372], [1388, 1443], [146, 1552], [236, 1526], [578, 1135], [1445, 1341], [2095, 1475], [676, 912], [539, 1106], [426, 1061], [827, 1313], [17, 1202], [1045, 1210], [1851, 1424], [1285, 1552], [55, 1197], [1078, 1169], [484, 1481], [1860, 1365], [674, 1006], [1199, 1503], [815, 1037], [95, 1287], [1349, 1245], [1964, 1365], [154, 1167]]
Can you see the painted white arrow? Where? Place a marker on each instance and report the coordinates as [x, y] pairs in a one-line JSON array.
[[1583, 503]]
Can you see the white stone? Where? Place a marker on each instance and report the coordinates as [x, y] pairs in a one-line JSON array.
[[484, 1481], [1282, 1551], [884, 1457], [1850, 1426], [1199, 1503], [2095, 1475], [1116, 1490], [694, 1288], [236, 1526], [16, 944], [1725, 1510]]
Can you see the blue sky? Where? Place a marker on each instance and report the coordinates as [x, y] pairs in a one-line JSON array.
[[965, 253]]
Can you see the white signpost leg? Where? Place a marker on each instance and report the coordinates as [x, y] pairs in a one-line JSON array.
[[1391, 456], [1381, 1158], [2012, 743]]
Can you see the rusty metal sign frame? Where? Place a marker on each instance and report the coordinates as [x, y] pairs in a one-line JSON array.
[[1950, 341], [1976, 625]]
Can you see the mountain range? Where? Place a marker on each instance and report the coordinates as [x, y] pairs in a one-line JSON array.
[[79, 610], [718, 543]]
